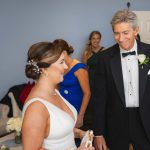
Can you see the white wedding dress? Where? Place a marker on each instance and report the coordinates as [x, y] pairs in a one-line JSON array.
[[61, 135]]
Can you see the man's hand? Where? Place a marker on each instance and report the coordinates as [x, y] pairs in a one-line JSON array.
[[100, 143]]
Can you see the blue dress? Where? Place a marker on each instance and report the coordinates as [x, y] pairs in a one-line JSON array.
[[70, 87]]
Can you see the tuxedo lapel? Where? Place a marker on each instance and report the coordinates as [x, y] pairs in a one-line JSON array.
[[117, 73], [142, 73]]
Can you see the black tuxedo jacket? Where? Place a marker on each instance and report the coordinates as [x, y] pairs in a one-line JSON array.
[[110, 113]]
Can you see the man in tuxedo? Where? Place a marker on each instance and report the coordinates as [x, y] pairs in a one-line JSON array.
[[122, 89]]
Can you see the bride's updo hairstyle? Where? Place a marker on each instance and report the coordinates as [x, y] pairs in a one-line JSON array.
[[41, 55], [62, 43]]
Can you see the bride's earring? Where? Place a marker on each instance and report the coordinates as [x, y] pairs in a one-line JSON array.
[[44, 73]]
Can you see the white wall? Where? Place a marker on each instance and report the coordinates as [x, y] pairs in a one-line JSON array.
[[23, 23]]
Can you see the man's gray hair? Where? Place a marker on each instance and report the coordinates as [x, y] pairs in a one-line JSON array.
[[125, 16]]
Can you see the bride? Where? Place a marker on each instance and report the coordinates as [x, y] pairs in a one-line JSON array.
[[48, 119]]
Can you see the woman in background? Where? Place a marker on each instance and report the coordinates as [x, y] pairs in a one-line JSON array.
[[75, 86], [48, 119], [90, 59]]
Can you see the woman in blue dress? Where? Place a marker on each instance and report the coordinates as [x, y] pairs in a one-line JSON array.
[[75, 86]]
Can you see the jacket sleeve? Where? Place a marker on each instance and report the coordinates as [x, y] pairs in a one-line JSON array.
[[100, 98]]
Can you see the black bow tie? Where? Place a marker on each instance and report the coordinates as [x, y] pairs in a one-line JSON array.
[[128, 53]]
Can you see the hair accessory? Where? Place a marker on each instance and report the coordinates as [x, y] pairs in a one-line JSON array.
[[36, 68]]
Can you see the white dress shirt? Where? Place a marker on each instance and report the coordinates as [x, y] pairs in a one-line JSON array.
[[130, 77]]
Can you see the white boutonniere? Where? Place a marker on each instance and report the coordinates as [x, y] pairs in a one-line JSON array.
[[143, 60]]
